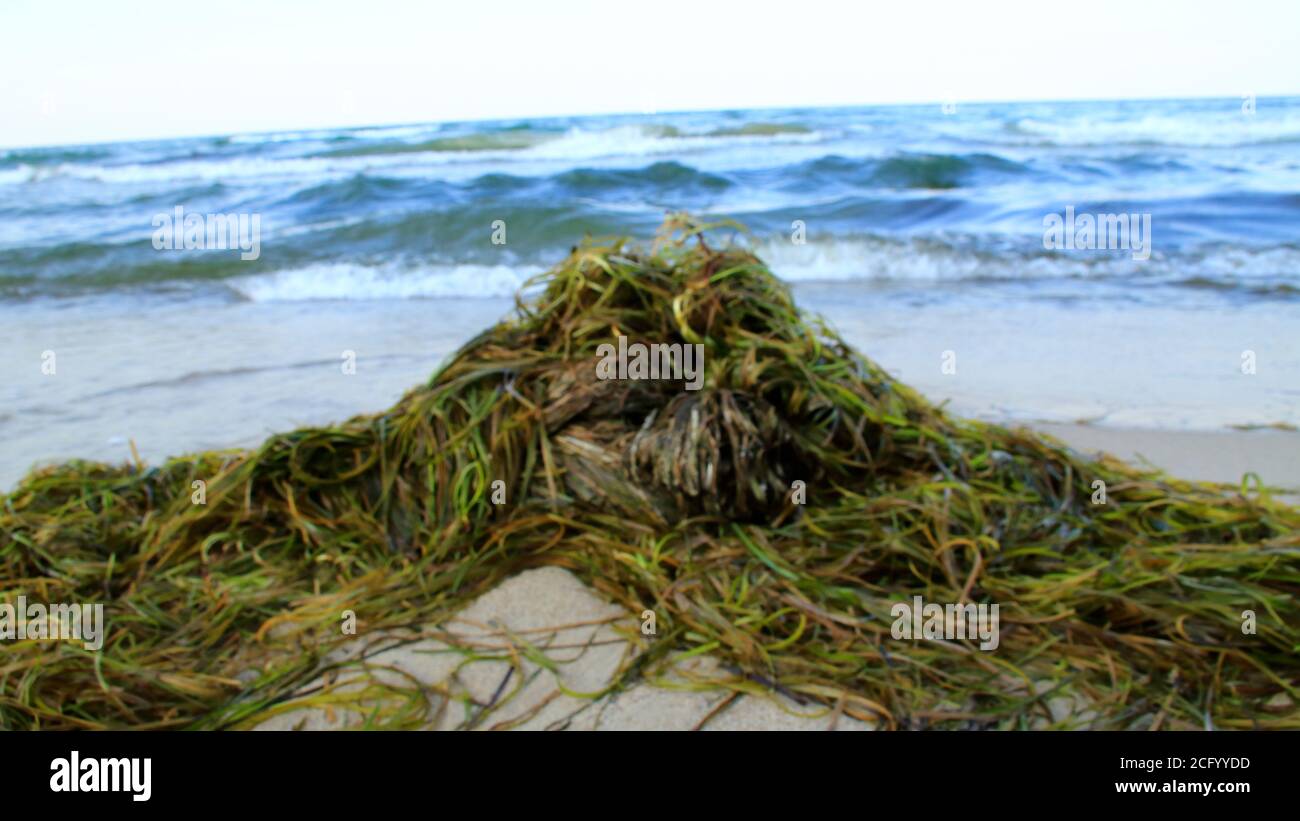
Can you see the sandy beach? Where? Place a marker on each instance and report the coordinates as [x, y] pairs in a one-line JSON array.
[[1208, 456], [540, 650]]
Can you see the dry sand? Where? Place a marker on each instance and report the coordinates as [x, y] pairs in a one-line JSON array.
[[538, 652], [541, 650]]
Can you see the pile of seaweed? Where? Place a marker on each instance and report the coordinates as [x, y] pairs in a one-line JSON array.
[[675, 501]]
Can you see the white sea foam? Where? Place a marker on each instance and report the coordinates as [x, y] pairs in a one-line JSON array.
[[12, 176], [206, 170], [645, 140], [348, 281], [1229, 128], [575, 146], [921, 259], [844, 259]]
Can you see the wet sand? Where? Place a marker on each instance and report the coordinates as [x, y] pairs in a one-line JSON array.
[[1210, 456], [174, 380]]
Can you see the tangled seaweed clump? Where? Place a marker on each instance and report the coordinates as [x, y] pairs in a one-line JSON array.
[[671, 500]]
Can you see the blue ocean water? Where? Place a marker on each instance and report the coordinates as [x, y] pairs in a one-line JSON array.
[[889, 194]]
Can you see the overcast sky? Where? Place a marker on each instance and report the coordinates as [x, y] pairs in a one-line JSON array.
[[96, 70]]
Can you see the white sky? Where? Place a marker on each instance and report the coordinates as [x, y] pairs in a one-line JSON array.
[[97, 70]]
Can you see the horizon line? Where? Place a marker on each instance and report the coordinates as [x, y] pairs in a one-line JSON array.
[[632, 113]]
